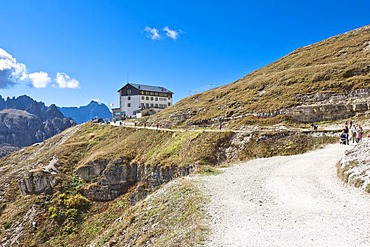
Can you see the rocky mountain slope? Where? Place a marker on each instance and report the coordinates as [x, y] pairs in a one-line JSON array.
[[86, 113], [23, 121], [328, 80]]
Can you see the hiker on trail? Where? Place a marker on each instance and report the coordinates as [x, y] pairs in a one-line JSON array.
[[359, 134], [346, 132], [353, 132], [314, 126]]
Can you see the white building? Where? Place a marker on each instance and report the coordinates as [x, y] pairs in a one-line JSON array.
[[134, 98]]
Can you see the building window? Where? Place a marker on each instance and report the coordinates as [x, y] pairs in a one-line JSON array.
[[147, 105], [142, 97], [156, 98], [142, 105], [128, 98], [151, 105], [128, 91], [169, 104], [147, 98], [128, 104], [151, 98], [156, 105]]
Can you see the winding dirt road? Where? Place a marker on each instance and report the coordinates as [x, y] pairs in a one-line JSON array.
[[287, 201]]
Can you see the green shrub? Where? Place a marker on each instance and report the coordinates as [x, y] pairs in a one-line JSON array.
[[53, 211], [71, 214], [77, 201]]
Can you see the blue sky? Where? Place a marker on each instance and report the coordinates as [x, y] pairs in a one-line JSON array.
[[69, 52]]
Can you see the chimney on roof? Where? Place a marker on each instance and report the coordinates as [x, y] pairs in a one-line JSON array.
[[139, 87]]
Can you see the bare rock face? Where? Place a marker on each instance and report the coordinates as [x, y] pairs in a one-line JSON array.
[[331, 106], [20, 128], [37, 182], [92, 170], [107, 180], [354, 168], [23, 121]]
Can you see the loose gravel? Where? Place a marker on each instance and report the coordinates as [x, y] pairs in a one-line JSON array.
[[287, 201]]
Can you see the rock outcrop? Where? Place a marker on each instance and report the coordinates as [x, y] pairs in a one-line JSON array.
[[108, 180], [104, 180], [37, 182], [354, 168], [331, 106]]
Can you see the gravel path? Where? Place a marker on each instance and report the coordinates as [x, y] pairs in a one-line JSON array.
[[287, 201]]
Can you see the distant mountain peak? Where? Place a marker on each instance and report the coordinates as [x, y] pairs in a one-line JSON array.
[[96, 101], [25, 121], [86, 113]]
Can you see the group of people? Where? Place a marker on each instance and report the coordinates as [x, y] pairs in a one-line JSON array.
[[351, 132]]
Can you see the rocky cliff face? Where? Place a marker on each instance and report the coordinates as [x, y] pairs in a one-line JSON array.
[[24, 121], [20, 128], [104, 180], [108, 180]]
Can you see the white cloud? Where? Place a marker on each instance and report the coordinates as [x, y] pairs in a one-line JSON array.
[[153, 33], [12, 73], [64, 81], [39, 79], [173, 34], [10, 70]]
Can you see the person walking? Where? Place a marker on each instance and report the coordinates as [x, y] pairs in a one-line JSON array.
[[353, 132], [346, 133], [359, 134]]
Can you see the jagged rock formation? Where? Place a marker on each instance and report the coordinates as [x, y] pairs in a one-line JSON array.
[[84, 114], [24, 121]]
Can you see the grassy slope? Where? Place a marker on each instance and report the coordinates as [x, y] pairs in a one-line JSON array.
[[97, 223], [337, 64]]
